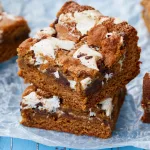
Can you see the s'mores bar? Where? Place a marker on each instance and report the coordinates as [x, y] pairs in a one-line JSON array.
[[146, 12], [13, 31], [43, 110], [146, 98], [83, 57]]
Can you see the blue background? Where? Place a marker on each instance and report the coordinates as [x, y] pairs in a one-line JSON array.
[[7, 143]]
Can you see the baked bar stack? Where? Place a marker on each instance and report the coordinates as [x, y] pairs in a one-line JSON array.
[[83, 61], [13, 31], [146, 98]]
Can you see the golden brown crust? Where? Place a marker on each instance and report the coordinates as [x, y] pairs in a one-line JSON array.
[[71, 7], [25, 46]]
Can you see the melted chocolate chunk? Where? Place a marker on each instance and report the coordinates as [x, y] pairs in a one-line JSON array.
[[81, 55], [39, 104], [88, 57], [63, 80], [122, 47], [56, 21], [106, 123], [45, 112], [42, 112], [97, 84], [99, 106], [108, 35], [49, 71], [61, 100], [24, 105], [102, 68]]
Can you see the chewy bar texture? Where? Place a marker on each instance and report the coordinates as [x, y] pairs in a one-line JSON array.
[[146, 13], [146, 98], [13, 31], [43, 110], [81, 57]]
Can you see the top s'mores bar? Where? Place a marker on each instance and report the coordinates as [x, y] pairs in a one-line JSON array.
[[13, 31], [83, 57]]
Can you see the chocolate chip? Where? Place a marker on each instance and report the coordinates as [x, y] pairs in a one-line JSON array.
[[50, 71], [122, 47], [39, 104], [63, 80], [99, 106], [56, 21], [101, 66], [106, 123], [81, 55], [24, 105], [61, 100], [88, 57], [108, 35], [97, 84]]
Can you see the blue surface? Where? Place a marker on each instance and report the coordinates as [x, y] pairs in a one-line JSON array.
[[19, 144]]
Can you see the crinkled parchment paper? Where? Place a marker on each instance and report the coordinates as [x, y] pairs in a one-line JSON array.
[[129, 130]]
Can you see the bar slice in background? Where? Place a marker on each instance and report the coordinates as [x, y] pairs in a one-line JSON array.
[[13, 31]]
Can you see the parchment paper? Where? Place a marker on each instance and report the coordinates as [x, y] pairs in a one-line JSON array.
[[129, 130]]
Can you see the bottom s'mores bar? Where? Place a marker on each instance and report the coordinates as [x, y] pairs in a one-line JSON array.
[[43, 110], [146, 98]]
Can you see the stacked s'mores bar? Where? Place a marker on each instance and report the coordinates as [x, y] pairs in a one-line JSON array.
[[78, 67]]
